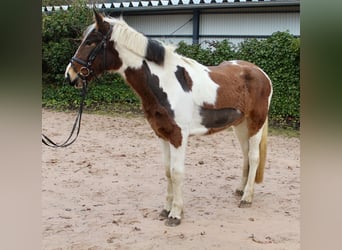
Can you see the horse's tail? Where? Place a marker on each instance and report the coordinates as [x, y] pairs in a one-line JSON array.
[[262, 153]]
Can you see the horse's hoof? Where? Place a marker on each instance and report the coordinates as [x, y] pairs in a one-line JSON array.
[[239, 192], [245, 204], [164, 214], [172, 222]]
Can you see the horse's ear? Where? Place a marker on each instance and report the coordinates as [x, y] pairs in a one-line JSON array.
[[99, 21], [97, 16]]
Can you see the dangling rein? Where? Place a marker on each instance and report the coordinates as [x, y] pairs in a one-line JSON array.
[[77, 124]]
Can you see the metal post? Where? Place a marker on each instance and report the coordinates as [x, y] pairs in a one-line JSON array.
[[195, 26]]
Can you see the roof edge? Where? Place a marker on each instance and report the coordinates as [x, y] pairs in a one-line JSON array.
[[153, 5]]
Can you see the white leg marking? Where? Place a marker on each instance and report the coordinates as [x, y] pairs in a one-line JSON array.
[[241, 133], [253, 156], [166, 163], [177, 177]]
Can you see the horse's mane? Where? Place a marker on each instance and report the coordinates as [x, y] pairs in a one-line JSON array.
[[128, 37], [124, 35]]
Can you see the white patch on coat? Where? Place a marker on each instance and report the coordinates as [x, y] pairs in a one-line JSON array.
[[234, 62], [67, 70], [186, 105]]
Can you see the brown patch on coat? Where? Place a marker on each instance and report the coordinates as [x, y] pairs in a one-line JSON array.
[[156, 107], [245, 88]]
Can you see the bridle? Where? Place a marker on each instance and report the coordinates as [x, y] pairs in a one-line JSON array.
[[86, 70], [83, 73]]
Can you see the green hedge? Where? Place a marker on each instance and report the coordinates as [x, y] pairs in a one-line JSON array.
[[107, 91], [61, 33], [277, 55]]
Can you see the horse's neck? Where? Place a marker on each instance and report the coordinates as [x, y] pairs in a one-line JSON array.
[[146, 85], [130, 59]]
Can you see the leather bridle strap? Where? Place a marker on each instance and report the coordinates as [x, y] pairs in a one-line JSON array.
[[77, 124], [87, 64]]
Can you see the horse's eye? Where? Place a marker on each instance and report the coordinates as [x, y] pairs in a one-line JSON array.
[[87, 42]]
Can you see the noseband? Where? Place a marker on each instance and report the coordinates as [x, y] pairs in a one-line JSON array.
[[86, 70]]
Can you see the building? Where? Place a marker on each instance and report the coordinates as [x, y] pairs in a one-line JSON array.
[[195, 21]]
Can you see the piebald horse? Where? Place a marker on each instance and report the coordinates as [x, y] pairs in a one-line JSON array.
[[180, 97]]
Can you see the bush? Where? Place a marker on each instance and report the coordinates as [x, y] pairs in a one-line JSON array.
[[195, 52], [112, 90], [209, 53], [61, 32]]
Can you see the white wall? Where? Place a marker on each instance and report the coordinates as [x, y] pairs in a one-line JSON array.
[[249, 23], [236, 24], [161, 24]]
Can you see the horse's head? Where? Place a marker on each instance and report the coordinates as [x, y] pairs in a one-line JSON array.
[[95, 55]]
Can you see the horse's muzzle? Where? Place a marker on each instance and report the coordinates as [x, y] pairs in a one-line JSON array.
[[71, 82], [72, 77], [75, 81]]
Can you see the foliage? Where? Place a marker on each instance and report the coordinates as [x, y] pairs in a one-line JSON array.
[[222, 51], [61, 32], [56, 2], [209, 53], [278, 56], [111, 91], [195, 52]]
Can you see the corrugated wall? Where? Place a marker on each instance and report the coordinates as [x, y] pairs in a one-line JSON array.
[[162, 27], [248, 24], [235, 27], [161, 24]]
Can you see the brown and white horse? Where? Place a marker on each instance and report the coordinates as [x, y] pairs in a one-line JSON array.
[[181, 97]]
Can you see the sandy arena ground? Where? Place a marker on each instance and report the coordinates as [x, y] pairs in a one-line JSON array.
[[107, 189]]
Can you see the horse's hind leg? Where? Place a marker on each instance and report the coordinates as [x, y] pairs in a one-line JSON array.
[[241, 132], [254, 158]]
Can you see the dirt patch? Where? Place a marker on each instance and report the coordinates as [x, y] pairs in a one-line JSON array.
[[106, 190]]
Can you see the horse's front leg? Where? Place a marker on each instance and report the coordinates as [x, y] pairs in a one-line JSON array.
[[177, 156], [169, 196]]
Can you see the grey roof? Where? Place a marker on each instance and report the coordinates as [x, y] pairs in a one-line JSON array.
[[128, 5]]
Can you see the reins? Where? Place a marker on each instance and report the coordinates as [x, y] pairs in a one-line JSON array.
[[84, 72], [76, 127]]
